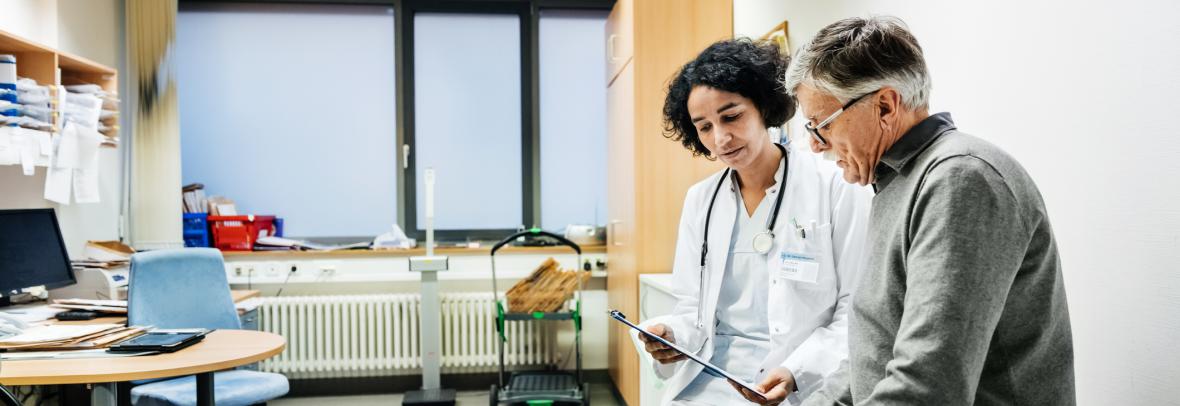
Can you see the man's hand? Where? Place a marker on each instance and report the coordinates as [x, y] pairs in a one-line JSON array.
[[779, 382], [659, 351]]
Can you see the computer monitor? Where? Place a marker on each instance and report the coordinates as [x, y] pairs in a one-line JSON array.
[[32, 252]]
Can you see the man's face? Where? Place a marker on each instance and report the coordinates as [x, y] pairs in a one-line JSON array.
[[854, 138]]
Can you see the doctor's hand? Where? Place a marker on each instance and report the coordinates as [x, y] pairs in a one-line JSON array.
[[659, 351], [779, 382]]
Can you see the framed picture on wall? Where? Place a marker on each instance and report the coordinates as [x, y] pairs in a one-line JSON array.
[[778, 35]]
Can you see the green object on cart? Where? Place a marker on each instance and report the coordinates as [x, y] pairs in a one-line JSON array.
[[500, 321], [578, 315], [538, 315], [539, 402], [535, 230]]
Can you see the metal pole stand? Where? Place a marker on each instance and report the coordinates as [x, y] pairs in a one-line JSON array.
[[429, 266]]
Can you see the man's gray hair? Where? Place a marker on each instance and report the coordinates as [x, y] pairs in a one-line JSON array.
[[856, 56]]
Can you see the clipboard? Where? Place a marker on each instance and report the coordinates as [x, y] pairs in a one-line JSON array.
[[709, 368]]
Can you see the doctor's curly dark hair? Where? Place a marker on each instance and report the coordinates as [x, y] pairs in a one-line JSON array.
[[754, 70]]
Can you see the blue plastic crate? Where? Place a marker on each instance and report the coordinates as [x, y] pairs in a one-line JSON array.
[[196, 230]]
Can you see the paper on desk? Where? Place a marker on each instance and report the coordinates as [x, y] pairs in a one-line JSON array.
[[55, 332], [248, 304], [96, 353], [92, 302], [93, 308], [86, 174], [33, 314]]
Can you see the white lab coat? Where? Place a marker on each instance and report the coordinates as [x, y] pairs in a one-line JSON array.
[[808, 321]]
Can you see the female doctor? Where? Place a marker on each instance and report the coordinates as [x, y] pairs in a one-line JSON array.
[[769, 248]]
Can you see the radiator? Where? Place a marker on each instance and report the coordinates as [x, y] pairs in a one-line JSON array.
[[376, 335]]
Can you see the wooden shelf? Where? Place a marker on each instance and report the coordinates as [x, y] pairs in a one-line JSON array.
[[593, 249], [33, 60], [48, 66], [77, 70]]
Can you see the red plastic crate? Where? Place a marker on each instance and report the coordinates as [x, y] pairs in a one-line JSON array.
[[237, 233]]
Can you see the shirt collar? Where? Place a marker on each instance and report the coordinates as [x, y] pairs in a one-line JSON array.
[[778, 177], [911, 144]]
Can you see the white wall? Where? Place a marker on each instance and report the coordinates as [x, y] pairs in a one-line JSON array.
[[91, 29], [32, 19], [1084, 95]]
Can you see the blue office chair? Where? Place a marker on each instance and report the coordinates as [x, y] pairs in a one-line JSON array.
[[187, 288]]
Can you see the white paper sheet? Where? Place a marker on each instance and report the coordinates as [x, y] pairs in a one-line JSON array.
[[57, 185], [45, 144], [67, 148], [86, 174], [30, 150], [33, 313], [58, 180], [9, 154]]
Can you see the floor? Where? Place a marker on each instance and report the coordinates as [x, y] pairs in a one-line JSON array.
[[599, 396]]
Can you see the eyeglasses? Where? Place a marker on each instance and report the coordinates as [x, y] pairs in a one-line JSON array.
[[815, 130]]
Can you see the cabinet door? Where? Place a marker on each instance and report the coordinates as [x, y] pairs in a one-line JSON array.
[[622, 275], [620, 38]]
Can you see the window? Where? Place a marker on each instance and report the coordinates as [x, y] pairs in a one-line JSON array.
[[573, 117], [467, 119], [289, 110]]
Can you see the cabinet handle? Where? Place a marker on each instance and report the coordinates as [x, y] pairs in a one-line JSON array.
[[611, 233], [610, 48]]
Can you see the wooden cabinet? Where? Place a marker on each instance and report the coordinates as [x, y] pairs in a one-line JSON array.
[[647, 176], [620, 37]]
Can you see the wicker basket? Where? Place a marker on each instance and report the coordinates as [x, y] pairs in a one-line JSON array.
[[545, 290]]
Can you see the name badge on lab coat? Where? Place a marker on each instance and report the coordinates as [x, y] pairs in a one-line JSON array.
[[798, 267]]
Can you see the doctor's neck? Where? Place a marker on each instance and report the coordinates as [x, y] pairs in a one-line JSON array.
[[760, 173]]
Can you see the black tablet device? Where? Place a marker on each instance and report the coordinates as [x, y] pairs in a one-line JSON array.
[[709, 368], [161, 341]]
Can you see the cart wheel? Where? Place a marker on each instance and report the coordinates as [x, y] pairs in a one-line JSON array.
[[585, 394], [494, 396]]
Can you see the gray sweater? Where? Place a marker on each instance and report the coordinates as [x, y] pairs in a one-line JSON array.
[[962, 301]]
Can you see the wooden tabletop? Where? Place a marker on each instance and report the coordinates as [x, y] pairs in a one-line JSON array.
[[221, 349], [240, 295]]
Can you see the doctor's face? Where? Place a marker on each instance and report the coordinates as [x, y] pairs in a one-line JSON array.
[[729, 125], [854, 138]]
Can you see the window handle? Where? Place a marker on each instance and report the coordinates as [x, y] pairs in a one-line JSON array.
[[405, 156]]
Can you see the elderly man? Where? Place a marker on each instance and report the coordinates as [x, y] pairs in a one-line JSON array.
[[962, 301]]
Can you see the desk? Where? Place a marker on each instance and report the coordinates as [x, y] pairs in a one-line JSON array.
[[220, 350]]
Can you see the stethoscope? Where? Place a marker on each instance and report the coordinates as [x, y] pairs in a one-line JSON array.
[[762, 242]]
